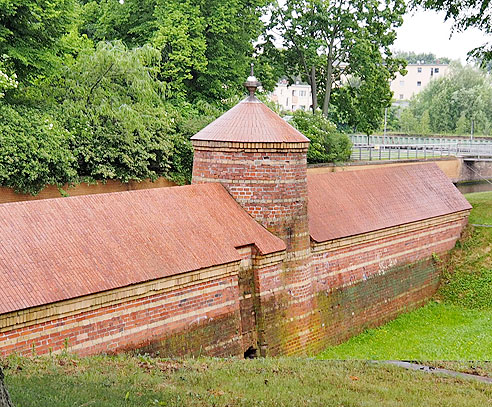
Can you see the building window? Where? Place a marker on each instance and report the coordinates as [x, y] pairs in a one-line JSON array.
[[281, 91], [401, 96], [302, 107], [419, 69], [287, 103], [293, 93], [302, 93], [402, 83], [436, 70], [419, 83]]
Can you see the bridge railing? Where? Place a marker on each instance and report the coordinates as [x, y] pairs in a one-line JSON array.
[[364, 152]]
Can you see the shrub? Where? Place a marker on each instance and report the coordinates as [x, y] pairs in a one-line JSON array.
[[327, 144], [35, 150]]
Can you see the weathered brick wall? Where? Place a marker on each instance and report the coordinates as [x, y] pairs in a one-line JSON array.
[[269, 180], [195, 313], [367, 280]]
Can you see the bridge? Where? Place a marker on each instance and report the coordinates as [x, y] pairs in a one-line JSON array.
[[401, 148]]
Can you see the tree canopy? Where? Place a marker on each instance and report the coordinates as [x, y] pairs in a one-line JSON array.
[[423, 57], [452, 103], [340, 45]]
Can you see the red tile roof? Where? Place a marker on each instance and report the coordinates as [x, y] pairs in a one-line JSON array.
[[348, 203], [250, 121], [57, 249]]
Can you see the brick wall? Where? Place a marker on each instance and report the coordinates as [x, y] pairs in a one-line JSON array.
[[367, 280], [193, 313], [354, 283]]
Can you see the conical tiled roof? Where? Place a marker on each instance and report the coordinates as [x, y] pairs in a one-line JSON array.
[[250, 121]]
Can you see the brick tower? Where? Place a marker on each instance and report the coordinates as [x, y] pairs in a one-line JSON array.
[[261, 160]]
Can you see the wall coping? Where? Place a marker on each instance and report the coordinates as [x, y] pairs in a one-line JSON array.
[[253, 147]]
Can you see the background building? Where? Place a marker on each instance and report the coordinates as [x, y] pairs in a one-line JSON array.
[[292, 97], [417, 78]]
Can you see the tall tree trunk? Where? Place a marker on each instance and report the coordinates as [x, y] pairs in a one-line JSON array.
[[329, 73], [4, 395], [314, 90], [328, 85]]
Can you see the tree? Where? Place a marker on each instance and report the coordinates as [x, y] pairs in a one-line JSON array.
[[115, 107], [206, 45], [327, 144], [321, 40], [408, 122], [30, 31], [456, 100], [4, 394], [7, 80], [466, 14], [425, 58]]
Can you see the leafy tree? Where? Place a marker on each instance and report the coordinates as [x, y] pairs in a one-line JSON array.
[[206, 45], [462, 125], [7, 80], [114, 105], [30, 31], [426, 58], [35, 150], [465, 14], [362, 99], [323, 40], [408, 122], [461, 97], [424, 127], [327, 144]]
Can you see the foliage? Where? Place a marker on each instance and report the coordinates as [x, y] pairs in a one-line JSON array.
[[327, 144], [326, 42], [466, 14], [7, 80], [206, 45], [124, 381], [30, 31], [35, 150], [453, 102], [422, 58], [114, 105]]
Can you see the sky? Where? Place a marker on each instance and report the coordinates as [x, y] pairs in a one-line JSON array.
[[426, 31]]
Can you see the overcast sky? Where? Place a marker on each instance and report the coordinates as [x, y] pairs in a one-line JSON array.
[[426, 31]]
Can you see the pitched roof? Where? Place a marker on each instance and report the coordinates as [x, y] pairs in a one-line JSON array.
[[348, 203], [250, 121], [63, 248]]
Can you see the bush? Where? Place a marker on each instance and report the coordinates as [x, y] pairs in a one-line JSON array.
[[35, 150], [327, 144]]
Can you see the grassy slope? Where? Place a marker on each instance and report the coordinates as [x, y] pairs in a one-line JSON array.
[[124, 381], [458, 326]]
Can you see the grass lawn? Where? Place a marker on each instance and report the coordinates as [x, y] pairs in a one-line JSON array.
[[458, 325], [124, 381]]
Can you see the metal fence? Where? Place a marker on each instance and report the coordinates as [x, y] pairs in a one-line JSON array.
[[364, 152], [413, 140]]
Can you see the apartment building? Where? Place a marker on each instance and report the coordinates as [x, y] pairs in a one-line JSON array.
[[292, 97], [417, 78]]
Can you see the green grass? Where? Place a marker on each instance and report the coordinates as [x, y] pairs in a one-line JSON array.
[[124, 381], [458, 325], [482, 207], [433, 332]]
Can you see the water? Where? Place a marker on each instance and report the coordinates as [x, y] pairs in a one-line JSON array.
[[470, 187]]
